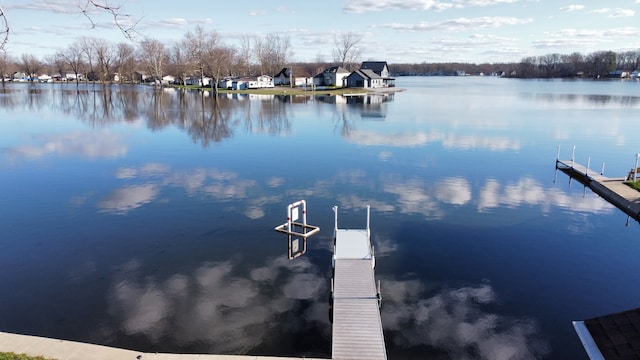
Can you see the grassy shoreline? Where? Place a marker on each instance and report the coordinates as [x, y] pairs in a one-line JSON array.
[[634, 185], [284, 90]]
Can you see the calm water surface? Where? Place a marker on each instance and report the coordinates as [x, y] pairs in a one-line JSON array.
[[144, 219]]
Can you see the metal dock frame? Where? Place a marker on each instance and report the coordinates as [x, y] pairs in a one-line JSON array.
[[355, 299]]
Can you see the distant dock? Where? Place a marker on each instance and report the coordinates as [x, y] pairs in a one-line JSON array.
[[614, 190]]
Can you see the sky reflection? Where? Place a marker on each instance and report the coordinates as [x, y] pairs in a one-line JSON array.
[[214, 304], [92, 145], [455, 320]]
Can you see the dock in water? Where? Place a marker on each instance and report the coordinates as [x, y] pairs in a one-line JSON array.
[[614, 190], [357, 327]]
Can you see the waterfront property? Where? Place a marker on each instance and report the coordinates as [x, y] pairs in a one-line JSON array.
[[614, 190], [143, 219]]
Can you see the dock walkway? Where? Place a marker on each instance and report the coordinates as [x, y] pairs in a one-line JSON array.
[[613, 190], [357, 327]]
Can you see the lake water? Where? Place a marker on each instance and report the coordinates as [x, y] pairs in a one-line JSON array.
[[145, 220]]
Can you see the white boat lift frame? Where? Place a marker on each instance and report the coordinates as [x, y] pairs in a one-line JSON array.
[[295, 228]]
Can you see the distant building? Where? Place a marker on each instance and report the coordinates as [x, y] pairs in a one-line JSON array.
[[333, 76], [364, 79], [381, 68]]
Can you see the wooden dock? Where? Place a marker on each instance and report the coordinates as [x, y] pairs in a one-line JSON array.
[[357, 327], [614, 190]]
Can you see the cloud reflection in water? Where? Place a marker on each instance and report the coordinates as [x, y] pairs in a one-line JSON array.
[[454, 321], [216, 306], [101, 144]]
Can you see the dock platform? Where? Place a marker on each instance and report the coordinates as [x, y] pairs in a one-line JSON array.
[[614, 190], [357, 327]]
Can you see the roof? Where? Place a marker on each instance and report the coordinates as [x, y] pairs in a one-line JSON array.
[[286, 72], [617, 336], [337, 69], [376, 66], [366, 74]]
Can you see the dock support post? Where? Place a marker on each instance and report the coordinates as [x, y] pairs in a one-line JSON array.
[[602, 172], [368, 218], [586, 174], [635, 170], [558, 156], [573, 155]]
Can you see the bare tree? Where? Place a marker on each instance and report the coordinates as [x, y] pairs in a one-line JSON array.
[[4, 29], [347, 51], [153, 56], [273, 52], [105, 56], [199, 46], [55, 64], [5, 64], [88, 8], [125, 60], [245, 55], [73, 56], [221, 59], [178, 63], [30, 65], [86, 45]]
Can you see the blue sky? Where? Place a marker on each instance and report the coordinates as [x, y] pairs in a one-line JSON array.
[[397, 31]]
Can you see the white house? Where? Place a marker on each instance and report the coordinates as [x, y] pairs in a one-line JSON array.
[[168, 79], [333, 76], [196, 80], [262, 81]]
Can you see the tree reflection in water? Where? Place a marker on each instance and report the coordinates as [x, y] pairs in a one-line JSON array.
[[205, 117]]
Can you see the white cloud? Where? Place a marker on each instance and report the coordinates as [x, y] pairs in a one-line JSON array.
[[574, 7], [477, 142], [614, 13], [413, 198], [454, 320], [361, 6], [87, 144], [385, 139], [128, 198], [460, 24], [214, 306], [456, 191], [528, 192]]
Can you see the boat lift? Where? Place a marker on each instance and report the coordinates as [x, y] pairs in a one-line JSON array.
[[297, 230]]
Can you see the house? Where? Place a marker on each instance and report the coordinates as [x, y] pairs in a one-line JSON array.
[[141, 76], [240, 84], [20, 76], [262, 81], [168, 79], [382, 69], [45, 78], [226, 83], [333, 76], [284, 77], [364, 79], [619, 74], [198, 81]]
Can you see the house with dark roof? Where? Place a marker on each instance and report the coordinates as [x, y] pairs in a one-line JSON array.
[[283, 77], [381, 68], [333, 76], [364, 78]]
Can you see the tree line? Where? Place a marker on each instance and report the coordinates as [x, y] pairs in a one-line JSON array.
[[199, 53], [593, 65], [203, 53]]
